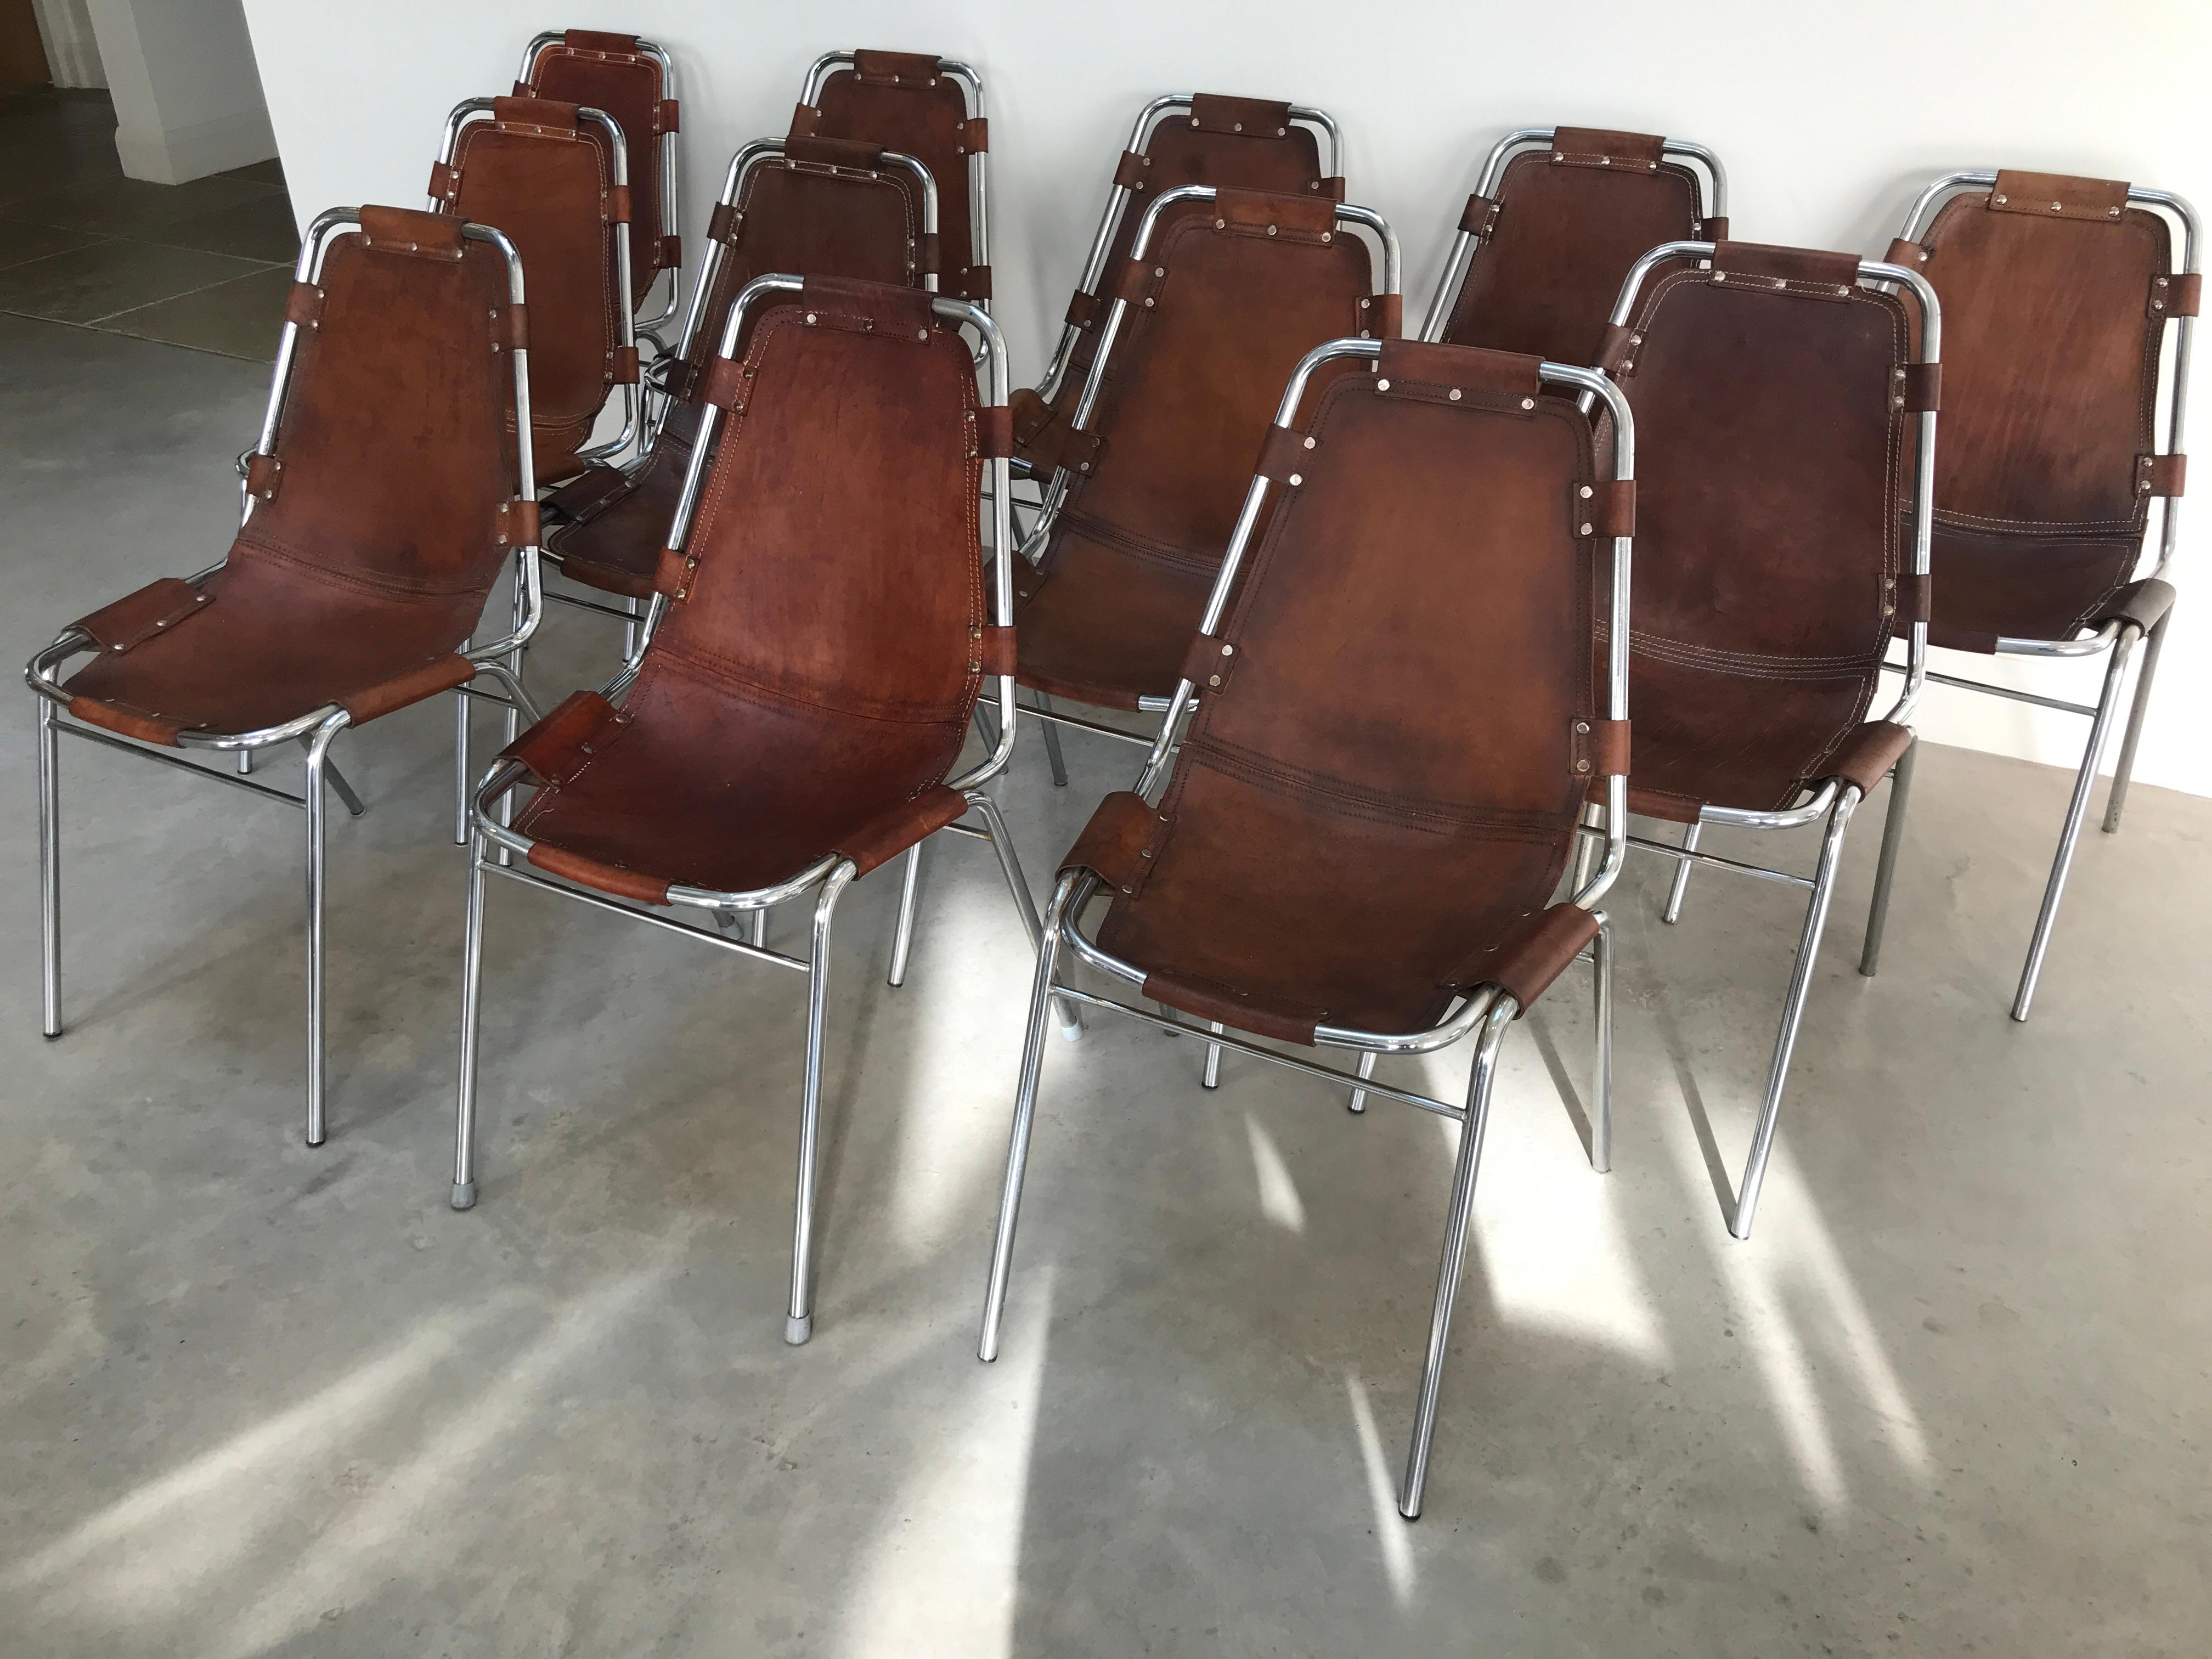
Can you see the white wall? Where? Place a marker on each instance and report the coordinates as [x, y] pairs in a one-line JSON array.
[[187, 96], [72, 53], [1828, 117]]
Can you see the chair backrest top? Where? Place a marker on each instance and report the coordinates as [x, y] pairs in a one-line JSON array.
[[393, 437], [614, 73], [1773, 461], [1565, 224]]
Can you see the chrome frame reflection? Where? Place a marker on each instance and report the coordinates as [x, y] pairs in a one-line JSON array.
[[1486, 1011], [314, 731]]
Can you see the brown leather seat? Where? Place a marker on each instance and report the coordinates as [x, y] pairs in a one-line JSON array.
[[810, 687], [1773, 429], [2056, 295], [617, 73], [1557, 235], [815, 207], [534, 173], [378, 527], [1358, 751], [1221, 309], [1230, 143], [910, 102]]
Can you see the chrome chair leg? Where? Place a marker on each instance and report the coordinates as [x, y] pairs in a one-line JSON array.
[[799, 1320], [1585, 850], [461, 767], [1052, 756], [318, 749], [1601, 999], [629, 631], [2084, 782], [902, 935], [2124, 773], [1793, 1011], [245, 762], [337, 780], [1358, 1103], [1673, 913], [757, 928], [986, 721], [1885, 870], [465, 1110], [1210, 1076], [50, 871], [1495, 1024], [1009, 865], [1018, 1138]]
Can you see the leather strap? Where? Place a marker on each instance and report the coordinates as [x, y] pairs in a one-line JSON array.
[[996, 651], [1914, 599], [2141, 602], [2059, 196], [622, 882], [2177, 296], [1864, 758], [833, 152], [1797, 269], [975, 137], [2161, 474], [1480, 216], [1607, 507], [137, 617], [552, 113], [1225, 1004], [870, 304], [406, 230], [672, 118], [564, 742], [1129, 172], [617, 204], [1535, 951], [1920, 388], [974, 281], [1267, 214], [440, 673], [1598, 147], [877, 843], [510, 328], [1255, 118], [126, 722], [263, 474], [724, 385], [1210, 663], [1415, 364], [1285, 456], [622, 366], [1599, 747], [994, 432], [1387, 315], [618, 46], [1117, 844], [303, 305], [1082, 309], [519, 523], [445, 182], [895, 67]]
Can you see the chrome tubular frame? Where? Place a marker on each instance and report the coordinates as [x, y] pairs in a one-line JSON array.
[[1459, 257], [471, 111], [2185, 242], [672, 209], [1329, 141], [1830, 798], [970, 83], [495, 842], [1486, 1010], [314, 731]]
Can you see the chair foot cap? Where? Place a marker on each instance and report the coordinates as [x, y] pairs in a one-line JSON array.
[[464, 1195], [796, 1331]]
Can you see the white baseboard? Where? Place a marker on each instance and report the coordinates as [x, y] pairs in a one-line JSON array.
[[173, 156]]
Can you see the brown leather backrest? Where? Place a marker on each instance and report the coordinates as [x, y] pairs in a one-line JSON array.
[[393, 440], [798, 218], [836, 539], [1222, 307], [1569, 220], [1411, 647], [533, 174], [607, 72], [904, 101], [1771, 464], [2051, 357]]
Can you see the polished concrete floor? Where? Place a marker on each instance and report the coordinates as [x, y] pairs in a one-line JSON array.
[[261, 1399]]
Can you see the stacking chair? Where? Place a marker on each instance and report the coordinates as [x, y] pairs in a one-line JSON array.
[[555, 177], [390, 488], [1183, 138], [1210, 312], [930, 108], [1777, 393], [2057, 295], [817, 642], [791, 206], [1440, 497], [633, 81], [1557, 218]]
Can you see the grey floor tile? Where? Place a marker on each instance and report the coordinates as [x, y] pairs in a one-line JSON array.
[[21, 244], [259, 229], [96, 281], [239, 319], [132, 207]]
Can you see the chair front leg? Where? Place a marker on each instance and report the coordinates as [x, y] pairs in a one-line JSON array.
[[318, 749], [1793, 1011], [2076, 809], [50, 871], [799, 1320], [1602, 1002], [461, 765], [1672, 912], [1456, 1217], [902, 935], [1885, 870], [465, 1108], [2125, 772], [1018, 1138], [1210, 1078], [1358, 1103]]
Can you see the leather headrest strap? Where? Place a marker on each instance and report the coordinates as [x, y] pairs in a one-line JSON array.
[[2056, 196], [597, 41], [1795, 270], [534, 112], [898, 68], [833, 152], [1253, 117], [1417, 367], [1269, 214], [1598, 147], [877, 305], [408, 230]]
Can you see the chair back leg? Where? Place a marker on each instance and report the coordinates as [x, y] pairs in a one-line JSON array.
[[1672, 912], [1793, 1011], [2076, 809], [1602, 1000], [902, 935], [1456, 1216], [318, 749], [1885, 870], [1358, 1103], [464, 1107], [50, 871], [2116, 801], [798, 1321]]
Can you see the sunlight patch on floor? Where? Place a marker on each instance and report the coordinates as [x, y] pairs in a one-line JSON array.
[[1390, 1539]]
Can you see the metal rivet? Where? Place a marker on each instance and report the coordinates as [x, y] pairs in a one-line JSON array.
[[1782, 282], [1636, 339], [2158, 305], [1310, 443], [2058, 207], [921, 334], [1144, 852], [1236, 126], [1270, 230], [2158, 283], [1605, 160], [1527, 403], [1213, 679], [682, 594], [1720, 275], [1897, 402], [1896, 375], [1583, 726], [1159, 271], [1149, 305], [1581, 766], [1228, 650], [1194, 120], [1586, 528], [1218, 224], [1455, 394], [1297, 478], [810, 317], [2110, 213], [1325, 235], [1381, 386], [1999, 200], [1586, 492]]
